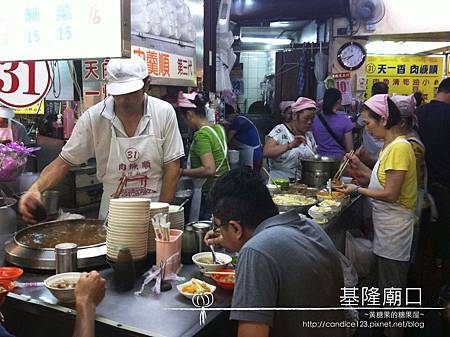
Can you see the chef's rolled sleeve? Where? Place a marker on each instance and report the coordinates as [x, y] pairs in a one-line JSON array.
[[172, 144], [79, 148]]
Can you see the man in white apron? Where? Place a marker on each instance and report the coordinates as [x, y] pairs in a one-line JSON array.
[[129, 134]]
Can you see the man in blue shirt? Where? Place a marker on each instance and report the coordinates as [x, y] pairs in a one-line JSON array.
[[244, 137], [284, 261]]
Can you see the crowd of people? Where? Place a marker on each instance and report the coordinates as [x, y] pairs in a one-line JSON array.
[[402, 166]]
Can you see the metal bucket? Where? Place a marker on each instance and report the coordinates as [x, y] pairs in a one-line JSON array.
[[316, 172]]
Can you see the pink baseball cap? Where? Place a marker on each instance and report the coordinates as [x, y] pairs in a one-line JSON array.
[[185, 100], [125, 75], [303, 103]]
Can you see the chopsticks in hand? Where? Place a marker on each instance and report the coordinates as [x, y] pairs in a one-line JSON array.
[[343, 166]]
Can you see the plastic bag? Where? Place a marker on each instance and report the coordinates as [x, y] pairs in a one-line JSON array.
[[360, 252]]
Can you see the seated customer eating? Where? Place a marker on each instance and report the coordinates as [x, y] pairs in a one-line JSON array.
[[284, 261]]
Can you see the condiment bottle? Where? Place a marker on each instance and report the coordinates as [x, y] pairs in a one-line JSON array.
[[124, 273], [66, 257]]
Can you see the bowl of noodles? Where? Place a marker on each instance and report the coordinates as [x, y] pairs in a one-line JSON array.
[[225, 281]]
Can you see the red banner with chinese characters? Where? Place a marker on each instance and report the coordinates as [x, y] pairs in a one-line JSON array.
[[166, 65], [406, 74]]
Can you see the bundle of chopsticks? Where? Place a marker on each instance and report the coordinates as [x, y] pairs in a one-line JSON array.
[[343, 166], [161, 227]]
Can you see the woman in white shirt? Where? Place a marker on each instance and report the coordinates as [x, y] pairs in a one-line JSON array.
[[287, 143]]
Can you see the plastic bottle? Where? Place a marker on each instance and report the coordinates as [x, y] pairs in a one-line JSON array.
[[124, 273], [69, 120]]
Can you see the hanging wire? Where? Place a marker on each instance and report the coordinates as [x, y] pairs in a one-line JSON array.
[[55, 69], [73, 75]]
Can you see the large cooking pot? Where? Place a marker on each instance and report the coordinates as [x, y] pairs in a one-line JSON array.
[[33, 247], [316, 172], [8, 218]]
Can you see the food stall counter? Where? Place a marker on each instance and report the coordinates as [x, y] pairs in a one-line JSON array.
[[120, 313]]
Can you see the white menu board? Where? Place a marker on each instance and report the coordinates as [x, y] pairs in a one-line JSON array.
[[64, 29]]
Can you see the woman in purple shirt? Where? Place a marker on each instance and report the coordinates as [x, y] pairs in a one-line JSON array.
[[332, 129]]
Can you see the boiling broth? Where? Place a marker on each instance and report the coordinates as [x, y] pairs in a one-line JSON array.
[[83, 234]]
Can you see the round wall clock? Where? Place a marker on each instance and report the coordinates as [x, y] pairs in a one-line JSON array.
[[351, 55]]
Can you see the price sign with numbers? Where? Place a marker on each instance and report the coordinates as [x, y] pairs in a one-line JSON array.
[[64, 29], [345, 88], [23, 84]]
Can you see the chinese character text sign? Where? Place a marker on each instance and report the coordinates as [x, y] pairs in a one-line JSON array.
[[29, 29]]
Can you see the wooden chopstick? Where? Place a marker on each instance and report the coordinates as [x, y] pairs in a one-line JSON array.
[[343, 166], [271, 179], [219, 273]]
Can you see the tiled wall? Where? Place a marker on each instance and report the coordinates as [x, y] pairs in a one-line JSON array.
[[256, 66]]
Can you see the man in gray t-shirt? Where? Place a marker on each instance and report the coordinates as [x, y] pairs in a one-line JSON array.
[[284, 261]]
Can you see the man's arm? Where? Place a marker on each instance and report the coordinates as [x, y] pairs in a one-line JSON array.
[[253, 329], [50, 177], [89, 292], [171, 173]]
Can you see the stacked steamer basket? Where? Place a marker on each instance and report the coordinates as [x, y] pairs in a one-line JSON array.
[[128, 225], [176, 217], [155, 208]]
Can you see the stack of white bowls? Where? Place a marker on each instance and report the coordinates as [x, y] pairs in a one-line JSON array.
[[155, 208], [128, 225], [176, 217]]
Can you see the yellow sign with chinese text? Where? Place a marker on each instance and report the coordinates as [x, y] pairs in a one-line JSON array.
[[406, 74], [36, 109]]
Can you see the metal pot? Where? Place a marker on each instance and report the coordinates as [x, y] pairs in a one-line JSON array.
[[200, 229], [189, 245], [8, 218], [316, 172]]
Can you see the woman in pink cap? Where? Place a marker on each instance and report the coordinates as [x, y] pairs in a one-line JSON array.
[[208, 153], [392, 187], [287, 143]]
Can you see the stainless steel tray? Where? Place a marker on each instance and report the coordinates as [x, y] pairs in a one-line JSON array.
[[44, 258]]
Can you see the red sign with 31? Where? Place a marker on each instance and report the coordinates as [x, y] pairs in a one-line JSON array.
[[23, 84]]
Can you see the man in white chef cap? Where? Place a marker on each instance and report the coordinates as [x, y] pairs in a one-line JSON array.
[[129, 134], [11, 130]]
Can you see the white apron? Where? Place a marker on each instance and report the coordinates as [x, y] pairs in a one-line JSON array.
[[291, 167], [6, 134], [246, 152], [140, 158], [199, 182], [393, 224]]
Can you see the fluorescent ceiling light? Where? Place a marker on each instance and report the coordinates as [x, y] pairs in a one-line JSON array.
[[266, 40], [403, 47], [280, 24]]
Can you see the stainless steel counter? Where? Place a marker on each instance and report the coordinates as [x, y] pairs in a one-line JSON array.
[[123, 314]]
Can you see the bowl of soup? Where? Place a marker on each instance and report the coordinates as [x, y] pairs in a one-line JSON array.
[[225, 278], [62, 286], [205, 261]]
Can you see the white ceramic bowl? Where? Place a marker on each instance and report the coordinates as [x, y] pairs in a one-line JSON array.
[[63, 295], [315, 214], [204, 267], [333, 204], [189, 295], [347, 180]]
